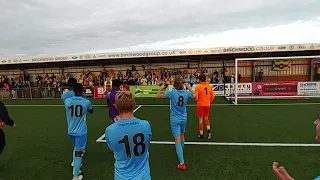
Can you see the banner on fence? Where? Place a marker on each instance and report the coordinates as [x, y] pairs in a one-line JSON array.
[[146, 91], [275, 89], [309, 88], [281, 65], [99, 92], [89, 92], [244, 89]]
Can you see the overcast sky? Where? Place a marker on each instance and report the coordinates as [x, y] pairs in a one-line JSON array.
[[45, 27]]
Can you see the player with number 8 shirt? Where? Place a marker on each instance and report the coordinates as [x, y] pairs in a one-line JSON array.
[[178, 114], [128, 138]]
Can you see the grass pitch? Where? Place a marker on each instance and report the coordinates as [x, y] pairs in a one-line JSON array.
[[39, 148]]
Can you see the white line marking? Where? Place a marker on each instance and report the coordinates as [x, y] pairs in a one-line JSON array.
[[164, 105], [101, 138], [137, 108], [234, 144]]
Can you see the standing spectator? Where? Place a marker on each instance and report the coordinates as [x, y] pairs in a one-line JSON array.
[[239, 77], [260, 75], [232, 78], [226, 75], [318, 72], [216, 73], [104, 73], [129, 73], [220, 79], [193, 80], [149, 79], [27, 78], [208, 79]]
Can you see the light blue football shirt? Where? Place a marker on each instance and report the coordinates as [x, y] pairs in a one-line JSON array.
[[69, 94], [77, 108], [178, 102], [129, 139]]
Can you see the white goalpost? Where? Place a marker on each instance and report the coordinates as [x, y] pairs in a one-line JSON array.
[[293, 77]]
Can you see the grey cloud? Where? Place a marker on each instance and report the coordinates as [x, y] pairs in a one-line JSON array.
[[34, 27]]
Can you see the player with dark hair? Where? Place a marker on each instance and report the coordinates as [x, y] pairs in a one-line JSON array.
[[204, 97], [4, 119], [70, 93], [111, 100], [77, 108], [178, 114], [128, 138]]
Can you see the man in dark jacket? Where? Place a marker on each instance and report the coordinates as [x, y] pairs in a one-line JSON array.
[[4, 119]]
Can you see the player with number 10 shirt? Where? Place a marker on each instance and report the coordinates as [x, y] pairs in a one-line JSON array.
[[76, 109], [204, 97], [128, 138]]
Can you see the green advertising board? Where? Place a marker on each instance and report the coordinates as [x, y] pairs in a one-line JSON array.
[[146, 91]]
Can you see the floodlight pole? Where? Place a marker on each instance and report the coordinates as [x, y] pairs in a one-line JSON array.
[[236, 82]]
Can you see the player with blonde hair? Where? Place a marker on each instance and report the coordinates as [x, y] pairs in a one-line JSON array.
[[128, 138], [178, 114]]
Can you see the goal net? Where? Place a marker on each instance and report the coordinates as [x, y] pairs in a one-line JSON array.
[[274, 78]]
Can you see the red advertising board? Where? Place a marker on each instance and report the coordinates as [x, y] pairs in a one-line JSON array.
[[100, 94], [126, 88], [274, 89]]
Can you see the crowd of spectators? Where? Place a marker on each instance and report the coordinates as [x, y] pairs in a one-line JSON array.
[[51, 85]]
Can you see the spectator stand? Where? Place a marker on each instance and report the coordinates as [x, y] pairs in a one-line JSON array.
[[49, 80]]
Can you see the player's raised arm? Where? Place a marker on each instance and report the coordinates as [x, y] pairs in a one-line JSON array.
[[160, 95], [188, 87]]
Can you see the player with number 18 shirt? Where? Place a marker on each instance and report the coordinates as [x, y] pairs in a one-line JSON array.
[[128, 138]]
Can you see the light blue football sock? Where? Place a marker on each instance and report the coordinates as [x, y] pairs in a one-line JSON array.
[[77, 165], [179, 151], [182, 143]]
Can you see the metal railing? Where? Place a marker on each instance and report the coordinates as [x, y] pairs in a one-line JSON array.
[[31, 93]]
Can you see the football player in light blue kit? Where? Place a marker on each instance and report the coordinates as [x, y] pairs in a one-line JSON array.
[[178, 114], [128, 138], [70, 93], [76, 109]]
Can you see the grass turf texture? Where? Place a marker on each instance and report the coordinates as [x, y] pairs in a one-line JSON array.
[[39, 148]]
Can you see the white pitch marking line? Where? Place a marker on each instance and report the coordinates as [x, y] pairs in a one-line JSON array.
[[234, 144], [100, 139], [163, 105]]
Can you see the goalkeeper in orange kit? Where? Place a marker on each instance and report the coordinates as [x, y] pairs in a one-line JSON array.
[[204, 97]]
